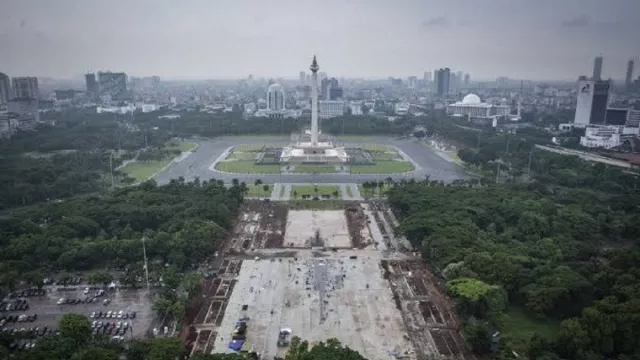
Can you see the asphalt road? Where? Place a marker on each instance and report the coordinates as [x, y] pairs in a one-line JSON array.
[[198, 164]]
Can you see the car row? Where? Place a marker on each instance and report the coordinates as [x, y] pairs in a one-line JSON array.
[[18, 318], [22, 345], [110, 328], [28, 293], [39, 331], [14, 305], [67, 301], [112, 315]]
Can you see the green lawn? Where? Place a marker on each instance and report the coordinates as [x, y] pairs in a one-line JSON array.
[[314, 169], [356, 138], [519, 327], [143, 170], [237, 155], [384, 156], [249, 147], [258, 191], [377, 148], [247, 167], [383, 167], [309, 190]]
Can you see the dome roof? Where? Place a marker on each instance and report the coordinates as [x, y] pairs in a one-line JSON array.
[[471, 99]]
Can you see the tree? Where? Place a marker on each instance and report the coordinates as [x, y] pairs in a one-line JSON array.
[[265, 188], [295, 194], [257, 183], [100, 277], [75, 327], [331, 349]]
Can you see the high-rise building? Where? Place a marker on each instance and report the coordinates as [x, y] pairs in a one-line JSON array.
[[442, 78], [336, 93], [92, 85], [427, 77], [597, 68], [413, 80], [275, 97], [25, 87], [467, 79], [5, 89], [303, 78], [629, 78], [113, 84], [592, 102]]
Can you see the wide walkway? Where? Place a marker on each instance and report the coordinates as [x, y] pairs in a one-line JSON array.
[[348, 191]]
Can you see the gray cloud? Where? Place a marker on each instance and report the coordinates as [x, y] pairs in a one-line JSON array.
[[438, 21], [578, 21]]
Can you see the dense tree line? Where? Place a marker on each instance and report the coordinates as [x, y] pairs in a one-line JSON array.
[[182, 223], [563, 255]]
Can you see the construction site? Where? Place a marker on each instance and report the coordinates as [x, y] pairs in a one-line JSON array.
[[318, 275]]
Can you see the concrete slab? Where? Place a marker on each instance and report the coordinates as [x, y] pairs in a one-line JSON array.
[[317, 299], [303, 224]]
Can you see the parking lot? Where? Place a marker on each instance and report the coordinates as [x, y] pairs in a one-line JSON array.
[[38, 312]]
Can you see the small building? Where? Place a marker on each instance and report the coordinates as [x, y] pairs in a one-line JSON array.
[[472, 107]]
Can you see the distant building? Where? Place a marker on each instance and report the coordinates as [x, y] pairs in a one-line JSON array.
[[302, 78], [442, 79], [5, 89], [113, 84], [330, 108], [473, 108], [629, 78], [92, 86], [336, 93], [66, 94], [467, 79], [25, 88], [356, 108], [401, 108], [427, 77], [597, 68], [607, 136], [25, 111], [275, 97], [412, 81], [592, 102]]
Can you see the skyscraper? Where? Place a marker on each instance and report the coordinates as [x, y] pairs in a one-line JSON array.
[[5, 89], [92, 85], [25, 87], [592, 102], [629, 78], [467, 79], [303, 78], [275, 97], [597, 68], [113, 84], [442, 78]]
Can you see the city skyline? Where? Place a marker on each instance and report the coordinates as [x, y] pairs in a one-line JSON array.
[[537, 40]]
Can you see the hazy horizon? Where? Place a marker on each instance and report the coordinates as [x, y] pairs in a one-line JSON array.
[[223, 39]]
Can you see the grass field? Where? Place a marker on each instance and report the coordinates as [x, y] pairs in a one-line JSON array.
[[258, 191], [249, 147], [383, 167], [143, 170], [314, 169], [261, 137], [355, 138], [384, 156], [520, 327], [236, 155], [377, 148], [309, 190], [247, 167]]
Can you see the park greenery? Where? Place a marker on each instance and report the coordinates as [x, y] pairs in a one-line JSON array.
[[561, 261], [181, 223]]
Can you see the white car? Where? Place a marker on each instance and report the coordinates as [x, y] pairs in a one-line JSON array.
[[86, 290], [60, 301], [120, 314], [93, 315], [108, 314]]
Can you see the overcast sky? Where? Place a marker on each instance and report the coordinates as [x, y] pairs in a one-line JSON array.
[[533, 39]]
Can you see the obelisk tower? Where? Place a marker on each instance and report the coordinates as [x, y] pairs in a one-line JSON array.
[[314, 101]]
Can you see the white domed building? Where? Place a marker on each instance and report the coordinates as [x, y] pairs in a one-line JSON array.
[[472, 106]]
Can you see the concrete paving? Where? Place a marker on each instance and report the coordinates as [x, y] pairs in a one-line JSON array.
[[199, 164]]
